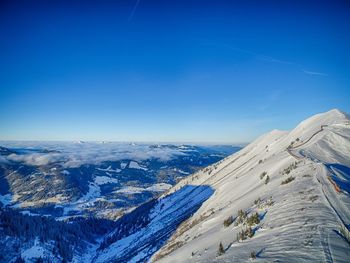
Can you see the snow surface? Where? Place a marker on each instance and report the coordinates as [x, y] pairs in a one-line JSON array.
[[180, 171], [36, 251], [130, 190], [160, 187], [109, 169], [86, 200], [26, 212], [123, 165], [6, 199], [135, 165], [65, 172], [100, 180]]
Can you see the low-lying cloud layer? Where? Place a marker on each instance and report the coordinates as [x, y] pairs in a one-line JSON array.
[[76, 154], [36, 159]]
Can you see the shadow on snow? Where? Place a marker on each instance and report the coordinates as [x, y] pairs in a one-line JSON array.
[[140, 233]]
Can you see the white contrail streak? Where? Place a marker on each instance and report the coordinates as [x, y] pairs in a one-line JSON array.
[[134, 10]]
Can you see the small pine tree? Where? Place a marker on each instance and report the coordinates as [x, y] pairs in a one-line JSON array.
[[253, 255], [253, 219], [221, 249], [242, 235], [249, 232], [267, 180], [242, 214], [240, 217]]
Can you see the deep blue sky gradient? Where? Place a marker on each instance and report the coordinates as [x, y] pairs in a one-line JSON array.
[[194, 71]]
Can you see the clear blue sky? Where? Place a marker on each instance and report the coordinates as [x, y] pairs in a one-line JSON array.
[[208, 71]]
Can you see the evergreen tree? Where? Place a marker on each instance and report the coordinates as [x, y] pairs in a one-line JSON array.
[[267, 180], [221, 249], [19, 260]]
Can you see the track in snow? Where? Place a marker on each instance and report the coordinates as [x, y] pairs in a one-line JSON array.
[[329, 193]]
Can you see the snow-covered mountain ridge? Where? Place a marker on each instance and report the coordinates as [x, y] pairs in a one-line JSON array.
[[297, 182], [283, 198]]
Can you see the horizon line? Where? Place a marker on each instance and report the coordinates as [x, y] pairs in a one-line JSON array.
[[132, 141]]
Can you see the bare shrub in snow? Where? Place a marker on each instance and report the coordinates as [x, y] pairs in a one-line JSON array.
[[262, 175], [228, 221], [288, 180], [290, 168], [242, 215], [245, 233], [257, 201], [306, 175], [269, 202]]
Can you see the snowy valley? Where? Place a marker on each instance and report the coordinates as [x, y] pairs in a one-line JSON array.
[[59, 198]]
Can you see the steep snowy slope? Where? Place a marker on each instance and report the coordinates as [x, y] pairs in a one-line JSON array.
[[298, 184]]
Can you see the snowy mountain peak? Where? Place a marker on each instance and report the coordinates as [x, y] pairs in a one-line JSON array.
[[334, 116], [326, 118], [337, 112]]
